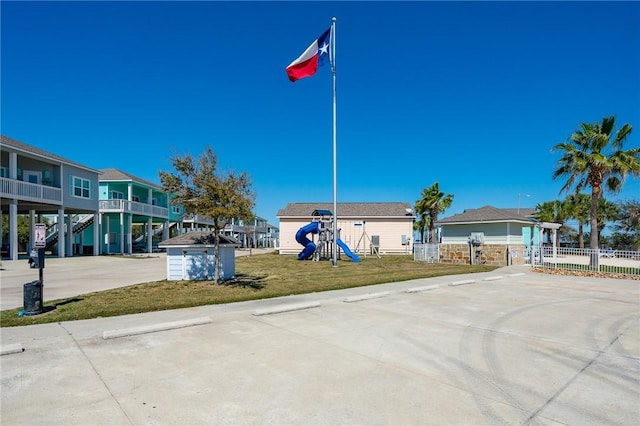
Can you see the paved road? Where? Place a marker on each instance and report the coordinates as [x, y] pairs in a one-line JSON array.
[[505, 347]]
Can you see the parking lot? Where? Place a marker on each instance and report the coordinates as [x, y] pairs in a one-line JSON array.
[[505, 347]]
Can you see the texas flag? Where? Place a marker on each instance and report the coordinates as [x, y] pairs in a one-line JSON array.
[[316, 55]]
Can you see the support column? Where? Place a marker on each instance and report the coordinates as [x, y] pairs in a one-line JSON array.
[[13, 230], [106, 230], [69, 248], [61, 233], [121, 233], [129, 234], [149, 235], [32, 230], [96, 234]]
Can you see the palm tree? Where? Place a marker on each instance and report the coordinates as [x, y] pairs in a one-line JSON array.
[[590, 157], [578, 207], [421, 224], [607, 212], [552, 211], [432, 203]]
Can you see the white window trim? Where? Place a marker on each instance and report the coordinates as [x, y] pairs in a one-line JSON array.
[[117, 195], [82, 187]]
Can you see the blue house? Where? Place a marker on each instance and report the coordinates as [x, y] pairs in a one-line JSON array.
[[48, 188]]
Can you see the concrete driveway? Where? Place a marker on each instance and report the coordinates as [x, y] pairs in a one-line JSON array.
[[71, 276], [506, 347]]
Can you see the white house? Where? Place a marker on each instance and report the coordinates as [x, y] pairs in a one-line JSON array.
[[190, 256], [387, 226]]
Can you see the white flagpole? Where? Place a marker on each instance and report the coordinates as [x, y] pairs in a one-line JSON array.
[[335, 203]]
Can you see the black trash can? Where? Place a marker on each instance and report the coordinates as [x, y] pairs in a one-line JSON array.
[[32, 298]]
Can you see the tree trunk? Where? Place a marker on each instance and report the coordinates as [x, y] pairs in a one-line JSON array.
[[216, 258], [580, 235], [596, 192]]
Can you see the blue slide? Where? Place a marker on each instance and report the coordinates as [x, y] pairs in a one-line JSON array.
[[301, 238], [346, 250]]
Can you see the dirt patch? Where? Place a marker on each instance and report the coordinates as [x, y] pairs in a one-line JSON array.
[[586, 274]]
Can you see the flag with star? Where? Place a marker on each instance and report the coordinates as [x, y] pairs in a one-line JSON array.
[[316, 55]]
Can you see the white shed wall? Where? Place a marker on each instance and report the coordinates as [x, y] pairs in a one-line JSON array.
[[185, 262]]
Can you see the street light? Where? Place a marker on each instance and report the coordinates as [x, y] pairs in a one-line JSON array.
[[526, 195]]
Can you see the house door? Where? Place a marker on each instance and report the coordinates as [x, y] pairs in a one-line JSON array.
[[32, 176]]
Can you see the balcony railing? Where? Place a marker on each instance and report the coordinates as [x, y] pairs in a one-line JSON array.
[[25, 191], [133, 207], [197, 219]]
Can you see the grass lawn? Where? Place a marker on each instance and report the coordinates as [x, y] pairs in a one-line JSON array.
[[257, 277]]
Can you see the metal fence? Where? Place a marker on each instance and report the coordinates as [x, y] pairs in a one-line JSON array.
[[429, 253], [576, 259]]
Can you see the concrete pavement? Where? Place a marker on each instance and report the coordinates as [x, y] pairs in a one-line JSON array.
[[72, 276], [505, 347]]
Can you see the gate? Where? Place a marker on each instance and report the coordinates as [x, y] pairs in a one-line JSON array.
[[429, 253]]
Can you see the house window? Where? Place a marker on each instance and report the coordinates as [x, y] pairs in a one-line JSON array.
[[175, 209], [4, 172], [135, 198], [81, 187], [117, 195]]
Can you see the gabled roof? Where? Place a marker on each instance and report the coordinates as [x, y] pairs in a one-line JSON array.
[[40, 153], [204, 238], [115, 175], [489, 214], [359, 210]]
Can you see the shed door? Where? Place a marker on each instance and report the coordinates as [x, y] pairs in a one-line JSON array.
[[194, 265]]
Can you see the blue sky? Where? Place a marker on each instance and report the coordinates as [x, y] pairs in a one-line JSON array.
[[470, 94]]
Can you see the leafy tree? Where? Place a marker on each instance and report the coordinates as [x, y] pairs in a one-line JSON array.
[[219, 197], [621, 241], [629, 222], [591, 158], [24, 228], [578, 207], [432, 203], [568, 235]]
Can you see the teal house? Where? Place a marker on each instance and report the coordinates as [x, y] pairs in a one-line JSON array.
[[135, 214]]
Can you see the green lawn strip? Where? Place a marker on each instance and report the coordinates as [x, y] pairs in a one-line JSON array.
[[257, 277]]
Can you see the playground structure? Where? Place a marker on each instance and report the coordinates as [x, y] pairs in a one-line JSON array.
[[322, 226]]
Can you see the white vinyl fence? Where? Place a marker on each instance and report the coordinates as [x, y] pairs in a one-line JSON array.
[[576, 259]]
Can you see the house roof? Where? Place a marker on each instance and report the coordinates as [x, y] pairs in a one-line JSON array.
[[41, 153], [390, 209], [490, 214], [115, 175], [203, 238]]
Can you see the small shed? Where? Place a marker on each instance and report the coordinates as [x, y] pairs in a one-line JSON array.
[[190, 256]]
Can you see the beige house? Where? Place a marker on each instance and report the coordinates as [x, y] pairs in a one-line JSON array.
[[386, 226]]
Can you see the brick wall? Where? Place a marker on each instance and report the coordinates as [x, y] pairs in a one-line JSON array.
[[490, 254]]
